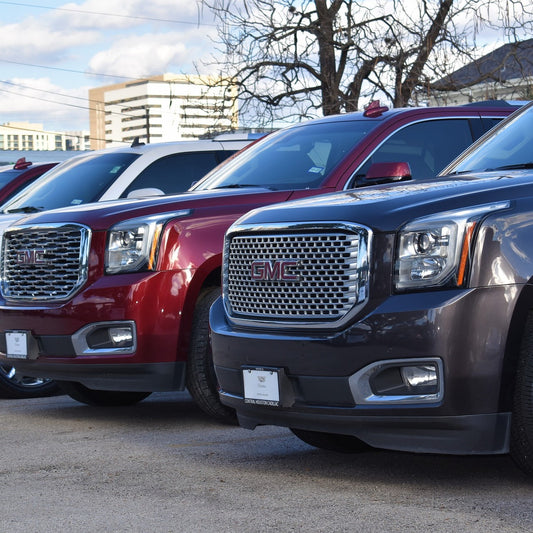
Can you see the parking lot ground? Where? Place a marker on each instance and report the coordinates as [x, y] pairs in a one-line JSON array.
[[164, 466]]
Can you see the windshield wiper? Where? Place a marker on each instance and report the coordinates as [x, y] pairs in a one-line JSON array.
[[242, 186], [518, 166], [26, 209], [458, 172]]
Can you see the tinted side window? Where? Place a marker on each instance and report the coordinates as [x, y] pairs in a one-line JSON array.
[[427, 146], [175, 173]]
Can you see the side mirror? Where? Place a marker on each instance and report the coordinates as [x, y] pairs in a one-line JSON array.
[[388, 172], [143, 193]]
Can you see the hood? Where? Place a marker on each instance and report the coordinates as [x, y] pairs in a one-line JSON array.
[[102, 215], [9, 219], [386, 208]]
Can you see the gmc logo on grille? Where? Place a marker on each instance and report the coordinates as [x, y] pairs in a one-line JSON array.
[[31, 257], [274, 271]]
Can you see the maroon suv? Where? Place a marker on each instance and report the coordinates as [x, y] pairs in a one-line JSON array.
[[112, 299]]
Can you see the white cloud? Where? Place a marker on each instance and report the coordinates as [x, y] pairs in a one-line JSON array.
[[118, 14], [149, 54], [39, 101], [64, 43], [24, 41]]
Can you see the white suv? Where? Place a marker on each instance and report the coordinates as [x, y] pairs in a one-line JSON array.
[[135, 171]]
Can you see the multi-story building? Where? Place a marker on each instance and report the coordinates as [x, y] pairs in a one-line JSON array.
[[161, 108], [77, 140], [26, 136]]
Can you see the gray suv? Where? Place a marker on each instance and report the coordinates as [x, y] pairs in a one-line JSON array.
[[396, 317]]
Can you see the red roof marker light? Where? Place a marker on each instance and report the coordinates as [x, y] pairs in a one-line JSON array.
[[21, 164], [375, 109]]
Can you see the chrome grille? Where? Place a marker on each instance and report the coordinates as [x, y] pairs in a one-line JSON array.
[[295, 278], [44, 262]]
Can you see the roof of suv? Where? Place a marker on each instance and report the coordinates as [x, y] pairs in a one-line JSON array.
[[380, 112]]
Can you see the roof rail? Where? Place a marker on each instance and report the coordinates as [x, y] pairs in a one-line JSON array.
[[239, 136], [497, 103]]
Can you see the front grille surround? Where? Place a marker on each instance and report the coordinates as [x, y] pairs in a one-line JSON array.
[[329, 264], [44, 262]]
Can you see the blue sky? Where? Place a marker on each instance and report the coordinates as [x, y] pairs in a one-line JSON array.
[[52, 52]]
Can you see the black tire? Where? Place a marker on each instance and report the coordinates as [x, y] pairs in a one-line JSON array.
[[15, 385], [521, 445], [201, 379], [101, 398], [332, 441]]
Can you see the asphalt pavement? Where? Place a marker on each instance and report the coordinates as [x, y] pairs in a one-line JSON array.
[[164, 466]]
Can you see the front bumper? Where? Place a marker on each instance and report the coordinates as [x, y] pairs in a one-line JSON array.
[[320, 393], [149, 377], [69, 341]]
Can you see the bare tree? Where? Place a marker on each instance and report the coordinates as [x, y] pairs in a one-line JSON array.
[[312, 57]]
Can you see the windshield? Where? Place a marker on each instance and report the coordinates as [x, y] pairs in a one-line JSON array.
[[509, 146], [294, 158], [76, 181]]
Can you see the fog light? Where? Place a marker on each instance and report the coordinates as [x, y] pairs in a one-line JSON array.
[[400, 382], [420, 376], [121, 336]]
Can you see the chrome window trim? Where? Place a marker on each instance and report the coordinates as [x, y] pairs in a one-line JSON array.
[[467, 117], [83, 269], [363, 268]]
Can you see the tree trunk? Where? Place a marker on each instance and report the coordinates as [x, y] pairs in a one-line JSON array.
[[331, 104]]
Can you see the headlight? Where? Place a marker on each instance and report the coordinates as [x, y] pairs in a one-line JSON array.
[[435, 250], [133, 244]]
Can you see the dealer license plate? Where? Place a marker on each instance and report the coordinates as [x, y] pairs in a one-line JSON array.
[[17, 344], [261, 386]]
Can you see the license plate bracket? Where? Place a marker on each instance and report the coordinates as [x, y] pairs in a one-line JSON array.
[[21, 344], [17, 346], [267, 386]]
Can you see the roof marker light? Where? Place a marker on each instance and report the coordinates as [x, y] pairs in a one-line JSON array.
[[374, 109], [22, 164]]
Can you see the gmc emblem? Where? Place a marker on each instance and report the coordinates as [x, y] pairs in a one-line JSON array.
[[274, 270], [31, 257]]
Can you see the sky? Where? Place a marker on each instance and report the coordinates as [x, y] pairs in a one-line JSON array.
[[53, 52]]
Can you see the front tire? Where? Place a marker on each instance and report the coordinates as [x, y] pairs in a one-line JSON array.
[[101, 398], [332, 441], [201, 379], [521, 446], [15, 385]]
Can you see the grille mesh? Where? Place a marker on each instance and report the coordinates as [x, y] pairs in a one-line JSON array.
[[325, 265], [43, 263]]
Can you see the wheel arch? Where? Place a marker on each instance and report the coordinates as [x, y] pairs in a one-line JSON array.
[[519, 320], [208, 276]]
